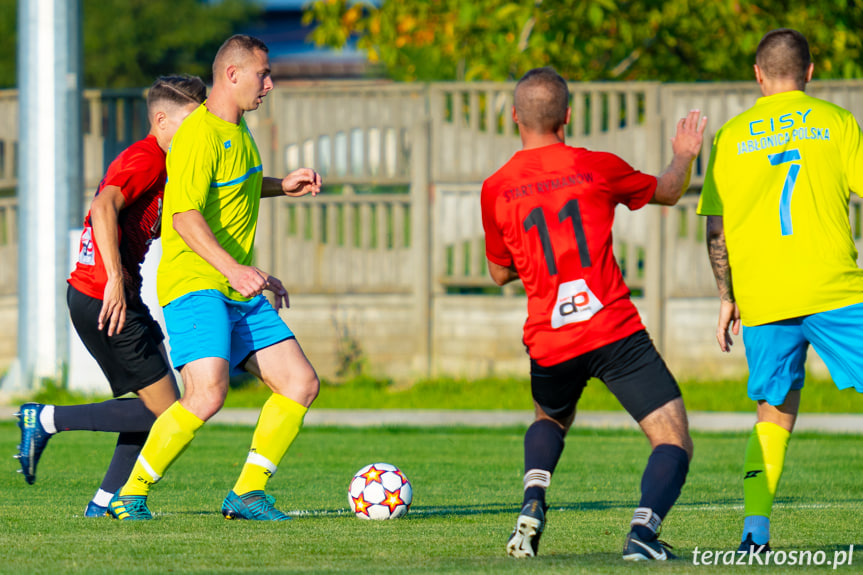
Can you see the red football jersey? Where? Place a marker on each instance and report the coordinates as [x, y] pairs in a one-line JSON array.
[[549, 212], [139, 172]]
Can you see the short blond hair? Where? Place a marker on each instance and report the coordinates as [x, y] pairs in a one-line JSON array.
[[235, 50]]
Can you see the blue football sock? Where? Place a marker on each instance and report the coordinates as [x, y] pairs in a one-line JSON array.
[[759, 526]]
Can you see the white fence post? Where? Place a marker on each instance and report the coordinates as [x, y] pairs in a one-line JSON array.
[[420, 242]]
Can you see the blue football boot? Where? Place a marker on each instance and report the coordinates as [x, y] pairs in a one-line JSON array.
[[129, 507], [34, 438], [94, 510], [254, 505]]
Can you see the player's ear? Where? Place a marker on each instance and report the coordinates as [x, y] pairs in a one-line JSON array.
[[568, 115], [758, 76], [160, 118], [232, 72], [514, 115], [809, 72]]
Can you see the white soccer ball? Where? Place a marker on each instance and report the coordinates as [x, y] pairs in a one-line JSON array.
[[380, 491]]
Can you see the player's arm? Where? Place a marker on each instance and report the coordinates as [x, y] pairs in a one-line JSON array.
[[686, 145], [297, 183], [248, 280], [729, 314], [500, 274], [495, 247], [104, 217]]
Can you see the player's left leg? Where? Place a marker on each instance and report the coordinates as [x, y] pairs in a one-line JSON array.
[[279, 361], [636, 374], [762, 468]]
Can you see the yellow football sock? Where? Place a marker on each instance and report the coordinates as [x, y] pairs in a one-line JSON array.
[[170, 435], [762, 468], [278, 426]]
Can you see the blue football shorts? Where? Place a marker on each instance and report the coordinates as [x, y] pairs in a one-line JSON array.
[[207, 323], [776, 352]]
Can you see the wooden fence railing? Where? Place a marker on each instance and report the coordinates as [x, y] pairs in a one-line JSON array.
[[403, 166], [8, 246]]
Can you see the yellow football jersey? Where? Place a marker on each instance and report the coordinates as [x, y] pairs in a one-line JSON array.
[[213, 167], [781, 174]]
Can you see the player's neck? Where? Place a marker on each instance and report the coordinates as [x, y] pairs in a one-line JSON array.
[[223, 107], [771, 88], [164, 143], [530, 141]]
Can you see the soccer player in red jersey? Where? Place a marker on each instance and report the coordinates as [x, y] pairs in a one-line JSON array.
[[547, 215], [104, 299]]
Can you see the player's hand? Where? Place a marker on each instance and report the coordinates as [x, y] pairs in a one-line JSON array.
[[301, 182], [729, 322], [113, 312], [274, 284], [248, 280], [690, 133]]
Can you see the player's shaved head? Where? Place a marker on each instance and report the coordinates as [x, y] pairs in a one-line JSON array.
[[541, 100], [784, 54], [235, 51]]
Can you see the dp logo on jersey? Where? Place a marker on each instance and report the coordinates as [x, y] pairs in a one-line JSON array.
[[575, 303]]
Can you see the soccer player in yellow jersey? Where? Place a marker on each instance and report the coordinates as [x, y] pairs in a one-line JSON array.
[[218, 321], [776, 198]]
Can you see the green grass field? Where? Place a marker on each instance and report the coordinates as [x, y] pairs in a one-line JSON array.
[[467, 486], [819, 396]]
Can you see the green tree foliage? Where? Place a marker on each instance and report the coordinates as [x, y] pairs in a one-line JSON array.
[[8, 23], [666, 40], [127, 43]]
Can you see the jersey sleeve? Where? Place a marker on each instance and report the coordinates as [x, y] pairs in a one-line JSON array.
[[191, 168], [627, 185], [136, 173], [495, 249], [709, 203], [853, 151]]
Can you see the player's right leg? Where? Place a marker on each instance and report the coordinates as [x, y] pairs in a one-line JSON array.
[[776, 355], [199, 326], [635, 373], [205, 383], [662, 481], [556, 391]]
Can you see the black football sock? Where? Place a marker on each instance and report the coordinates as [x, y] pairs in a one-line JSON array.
[[117, 415], [543, 445], [129, 445], [661, 483]]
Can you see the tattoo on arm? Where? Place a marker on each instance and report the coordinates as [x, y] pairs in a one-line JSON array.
[[718, 252]]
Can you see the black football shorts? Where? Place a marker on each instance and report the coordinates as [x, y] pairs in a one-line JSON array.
[[131, 359], [631, 368]]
